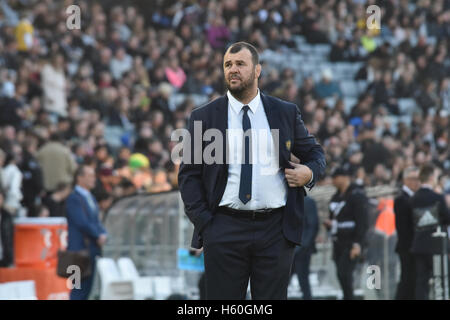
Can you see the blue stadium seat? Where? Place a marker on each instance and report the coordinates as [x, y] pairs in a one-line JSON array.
[[349, 88]]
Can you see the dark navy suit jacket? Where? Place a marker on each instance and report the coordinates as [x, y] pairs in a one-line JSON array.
[[403, 222], [83, 223], [202, 185]]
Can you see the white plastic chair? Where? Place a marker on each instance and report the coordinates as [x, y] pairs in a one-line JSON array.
[[162, 287], [142, 286], [18, 290], [113, 287]]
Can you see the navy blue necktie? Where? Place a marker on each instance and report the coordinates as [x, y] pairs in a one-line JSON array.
[[245, 187]]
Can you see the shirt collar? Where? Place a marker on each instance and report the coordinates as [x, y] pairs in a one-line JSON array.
[[83, 191], [408, 190], [427, 186], [236, 105]]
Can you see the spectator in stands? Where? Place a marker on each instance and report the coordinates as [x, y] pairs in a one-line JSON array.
[[54, 87], [338, 51], [12, 181], [32, 185], [120, 63], [175, 74], [57, 162], [327, 87], [55, 201], [6, 235]]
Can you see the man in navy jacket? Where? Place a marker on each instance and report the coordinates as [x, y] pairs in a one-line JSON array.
[[84, 227], [429, 211], [247, 216]]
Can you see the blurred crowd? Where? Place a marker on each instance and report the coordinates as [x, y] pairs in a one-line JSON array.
[[62, 89]]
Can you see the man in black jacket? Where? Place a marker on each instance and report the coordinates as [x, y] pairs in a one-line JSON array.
[[303, 253], [405, 231], [348, 225], [429, 211]]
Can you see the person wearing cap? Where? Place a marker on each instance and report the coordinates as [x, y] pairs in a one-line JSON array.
[[405, 231], [348, 225], [327, 87]]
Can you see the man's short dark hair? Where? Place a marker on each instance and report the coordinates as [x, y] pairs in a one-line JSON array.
[[56, 137], [238, 46], [79, 172], [426, 172]]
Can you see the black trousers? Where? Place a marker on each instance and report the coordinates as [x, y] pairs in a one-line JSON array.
[[424, 272], [344, 268], [238, 249], [85, 285], [302, 261], [406, 286], [7, 238]]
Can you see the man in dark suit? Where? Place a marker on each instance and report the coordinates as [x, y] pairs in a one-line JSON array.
[[405, 232], [429, 211], [302, 257], [247, 214], [84, 227]]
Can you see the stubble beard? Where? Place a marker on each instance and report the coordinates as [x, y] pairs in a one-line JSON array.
[[243, 89]]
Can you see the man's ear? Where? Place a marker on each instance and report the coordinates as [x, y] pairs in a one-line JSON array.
[[258, 70]]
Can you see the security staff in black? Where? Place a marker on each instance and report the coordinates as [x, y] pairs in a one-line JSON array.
[[429, 210], [348, 225]]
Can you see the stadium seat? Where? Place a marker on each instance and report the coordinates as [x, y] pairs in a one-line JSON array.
[[349, 102], [142, 286], [162, 287], [113, 287], [407, 105], [306, 48], [18, 290], [322, 49], [177, 98], [330, 101], [362, 86], [349, 88]]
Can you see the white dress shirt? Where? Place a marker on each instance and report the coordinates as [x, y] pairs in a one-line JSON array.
[[408, 191], [88, 196], [269, 186]]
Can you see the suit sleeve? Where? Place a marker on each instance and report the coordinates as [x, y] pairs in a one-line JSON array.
[[311, 223], [360, 208], [444, 212], [403, 219], [308, 150], [191, 186], [77, 216]]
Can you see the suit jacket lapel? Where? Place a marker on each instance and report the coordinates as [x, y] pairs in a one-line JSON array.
[[221, 123], [86, 207], [274, 123]]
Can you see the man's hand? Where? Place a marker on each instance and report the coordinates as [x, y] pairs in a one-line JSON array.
[[196, 252], [356, 251], [299, 176], [102, 240], [327, 223]]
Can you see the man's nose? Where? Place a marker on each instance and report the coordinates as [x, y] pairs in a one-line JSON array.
[[233, 68]]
